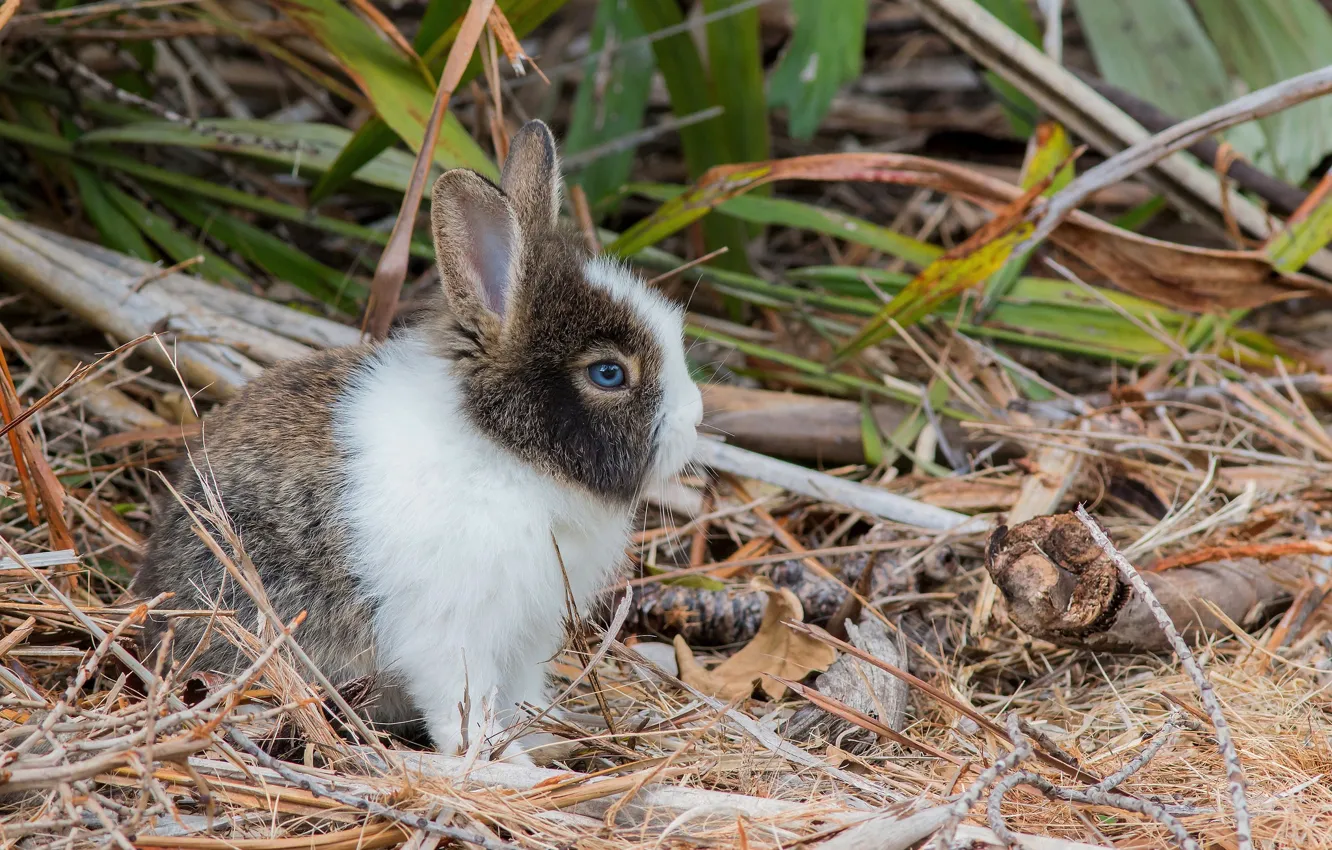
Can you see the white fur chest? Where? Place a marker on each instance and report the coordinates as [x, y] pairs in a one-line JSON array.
[[451, 535]]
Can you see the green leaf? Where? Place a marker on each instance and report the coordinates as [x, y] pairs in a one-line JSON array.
[[270, 253], [789, 213], [612, 97], [1137, 218], [1053, 149], [320, 145], [1038, 312], [1157, 50], [1265, 43], [825, 53], [372, 140], [1021, 111], [439, 16], [524, 16], [735, 60], [941, 280], [396, 86], [1059, 295], [116, 230], [1304, 235], [198, 187], [175, 244], [705, 143], [903, 439], [870, 436], [438, 29]]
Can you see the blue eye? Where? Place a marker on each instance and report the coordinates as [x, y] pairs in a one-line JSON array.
[[606, 374]]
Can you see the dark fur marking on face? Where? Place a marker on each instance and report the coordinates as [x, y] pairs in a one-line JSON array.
[[517, 368], [520, 389]]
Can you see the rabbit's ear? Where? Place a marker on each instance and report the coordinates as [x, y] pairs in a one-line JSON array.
[[478, 244], [531, 177]]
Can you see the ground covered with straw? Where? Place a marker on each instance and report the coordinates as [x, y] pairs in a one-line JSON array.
[[1097, 615]]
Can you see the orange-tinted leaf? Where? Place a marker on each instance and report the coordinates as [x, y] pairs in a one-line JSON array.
[[1053, 154]]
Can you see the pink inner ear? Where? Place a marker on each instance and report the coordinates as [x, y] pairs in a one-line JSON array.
[[490, 253]]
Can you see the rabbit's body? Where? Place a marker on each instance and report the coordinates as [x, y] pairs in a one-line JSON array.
[[416, 498], [452, 538]]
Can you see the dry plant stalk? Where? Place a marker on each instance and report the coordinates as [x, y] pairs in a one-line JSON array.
[[391, 270]]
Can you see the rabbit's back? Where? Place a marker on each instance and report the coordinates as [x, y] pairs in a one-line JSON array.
[[272, 458]]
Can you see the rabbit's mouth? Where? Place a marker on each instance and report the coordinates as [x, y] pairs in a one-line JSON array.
[[674, 438]]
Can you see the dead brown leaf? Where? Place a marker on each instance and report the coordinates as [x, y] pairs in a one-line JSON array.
[[775, 651], [1180, 276]]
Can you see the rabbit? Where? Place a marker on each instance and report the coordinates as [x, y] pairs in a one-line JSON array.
[[424, 499]]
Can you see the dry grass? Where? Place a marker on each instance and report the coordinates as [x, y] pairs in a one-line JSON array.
[[87, 767]]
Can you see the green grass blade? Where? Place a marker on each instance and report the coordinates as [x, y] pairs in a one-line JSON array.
[[1021, 112], [735, 59], [524, 16], [1304, 235], [401, 103], [1138, 217], [705, 143], [372, 140], [787, 213], [439, 16], [940, 281], [611, 99], [1265, 42], [374, 137], [1053, 150], [117, 231], [396, 86], [871, 439], [194, 186], [1159, 51], [269, 253], [321, 146], [824, 54], [216, 15], [175, 244]]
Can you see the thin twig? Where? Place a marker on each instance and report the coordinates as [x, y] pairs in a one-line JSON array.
[[1148, 152], [582, 159], [679, 270], [1234, 769], [1022, 750]]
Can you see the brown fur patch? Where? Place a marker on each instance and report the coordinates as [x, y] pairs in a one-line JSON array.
[[273, 460]]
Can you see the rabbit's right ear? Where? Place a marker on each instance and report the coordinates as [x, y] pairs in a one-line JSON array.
[[478, 244]]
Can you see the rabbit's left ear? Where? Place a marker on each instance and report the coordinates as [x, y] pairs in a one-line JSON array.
[[478, 244], [531, 177]]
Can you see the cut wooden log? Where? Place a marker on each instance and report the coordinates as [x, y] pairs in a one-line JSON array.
[[104, 297], [1061, 587], [805, 427]]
